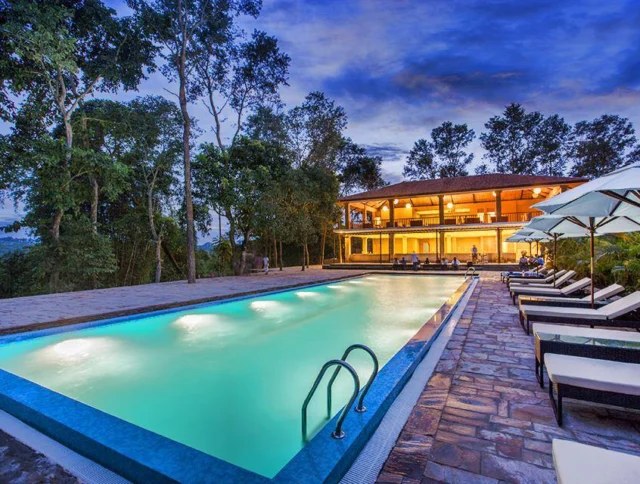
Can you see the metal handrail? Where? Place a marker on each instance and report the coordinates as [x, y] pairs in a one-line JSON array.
[[338, 433], [360, 407], [473, 272]]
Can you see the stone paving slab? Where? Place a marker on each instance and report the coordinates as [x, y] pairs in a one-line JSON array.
[[35, 312], [483, 418]]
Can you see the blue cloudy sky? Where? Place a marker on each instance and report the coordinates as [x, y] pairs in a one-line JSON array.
[[401, 67]]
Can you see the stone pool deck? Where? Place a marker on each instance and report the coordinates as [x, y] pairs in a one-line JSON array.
[[482, 417], [35, 312]]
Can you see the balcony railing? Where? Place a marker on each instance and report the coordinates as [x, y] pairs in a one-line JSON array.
[[449, 219]]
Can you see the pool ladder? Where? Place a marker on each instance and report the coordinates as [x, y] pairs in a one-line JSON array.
[[338, 433], [473, 273]]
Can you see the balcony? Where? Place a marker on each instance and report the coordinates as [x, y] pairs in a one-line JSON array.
[[449, 220]]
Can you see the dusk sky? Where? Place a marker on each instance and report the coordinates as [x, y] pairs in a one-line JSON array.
[[401, 67]]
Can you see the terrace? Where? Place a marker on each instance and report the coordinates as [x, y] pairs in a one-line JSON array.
[[482, 418]]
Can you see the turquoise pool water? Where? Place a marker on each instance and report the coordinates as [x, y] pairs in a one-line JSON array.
[[229, 379]]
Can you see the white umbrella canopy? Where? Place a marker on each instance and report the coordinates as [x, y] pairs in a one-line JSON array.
[[615, 194], [584, 226]]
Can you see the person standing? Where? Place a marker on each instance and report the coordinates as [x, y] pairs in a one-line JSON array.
[[265, 264], [474, 254]]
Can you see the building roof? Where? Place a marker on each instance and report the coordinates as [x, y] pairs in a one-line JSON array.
[[492, 181]]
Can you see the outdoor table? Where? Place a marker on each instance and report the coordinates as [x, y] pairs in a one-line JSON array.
[[588, 347]]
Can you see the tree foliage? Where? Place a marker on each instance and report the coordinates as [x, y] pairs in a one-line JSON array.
[[442, 157], [602, 145]]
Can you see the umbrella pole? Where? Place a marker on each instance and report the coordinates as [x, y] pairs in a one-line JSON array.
[[555, 258], [591, 231]]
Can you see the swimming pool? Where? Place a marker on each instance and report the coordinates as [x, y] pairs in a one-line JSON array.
[[228, 379]]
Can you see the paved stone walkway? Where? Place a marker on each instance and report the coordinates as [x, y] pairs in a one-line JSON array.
[[20, 464], [34, 312], [482, 417]]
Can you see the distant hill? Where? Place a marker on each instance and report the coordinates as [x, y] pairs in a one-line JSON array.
[[13, 244], [208, 246]]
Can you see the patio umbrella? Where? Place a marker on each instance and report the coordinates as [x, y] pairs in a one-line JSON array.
[[529, 235], [582, 226], [614, 194], [609, 204]]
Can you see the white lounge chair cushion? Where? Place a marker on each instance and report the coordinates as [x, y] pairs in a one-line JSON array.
[[555, 311], [560, 280], [610, 311], [610, 334], [552, 291], [605, 293], [603, 375], [539, 281], [622, 306], [577, 463]]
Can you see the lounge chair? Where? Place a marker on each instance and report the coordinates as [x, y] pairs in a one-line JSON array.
[[603, 344], [616, 313], [599, 381], [536, 280], [577, 463], [550, 291], [563, 280], [571, 302], [520, 276]]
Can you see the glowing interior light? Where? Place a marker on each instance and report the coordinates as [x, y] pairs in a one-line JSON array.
[[450, 205], [408, 205], [385, 208], [494, 194], [537, 190], [395, 202]]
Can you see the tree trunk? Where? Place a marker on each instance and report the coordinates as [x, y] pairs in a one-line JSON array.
[[158, 259], [95, 194], [219, 227], [324, 241], [304, 257], [54, 280], [186, 137], [280, 258], [306, 250], [275, 253]]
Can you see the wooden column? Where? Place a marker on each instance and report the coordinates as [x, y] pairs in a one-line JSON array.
[[392, 237], [499, 244], [347, 248], [563, 188], [498, 204], [347, 215], [441, 208], [340, 249]]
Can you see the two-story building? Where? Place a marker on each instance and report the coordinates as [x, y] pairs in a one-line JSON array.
[[444, 218]]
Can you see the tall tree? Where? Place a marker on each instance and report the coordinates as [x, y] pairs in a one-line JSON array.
[[57, 54], [155, 126], [237, 180], [241, 76], [421, 163], [442, 157], [186, 30], [552, 139], [601, 145], [359, 171], [510, 140], [316, 131]]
